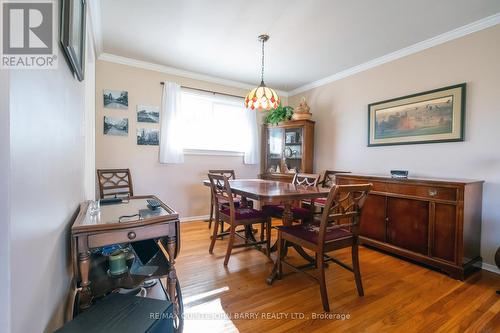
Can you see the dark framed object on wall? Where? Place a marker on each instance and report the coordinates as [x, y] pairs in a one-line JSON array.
[[427, 117], [72, 34]]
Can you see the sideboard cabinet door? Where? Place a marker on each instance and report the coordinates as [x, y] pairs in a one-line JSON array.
[[408, 224], [443, 246], [372, 222]]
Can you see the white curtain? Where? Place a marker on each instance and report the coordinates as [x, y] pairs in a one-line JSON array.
[[252, 152], [171, 147]]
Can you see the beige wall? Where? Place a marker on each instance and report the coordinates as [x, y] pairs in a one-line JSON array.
[[340, 111], [179, 185]]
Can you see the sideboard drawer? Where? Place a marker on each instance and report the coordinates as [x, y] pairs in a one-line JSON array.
[[130, 235], [422, 191], [429, 192]]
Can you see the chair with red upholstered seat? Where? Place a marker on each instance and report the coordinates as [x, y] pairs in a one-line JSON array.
[[338, 228], [299, 212], [226, 172], [235, 215], [327, 182]]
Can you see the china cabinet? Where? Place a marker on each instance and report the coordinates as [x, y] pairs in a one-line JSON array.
[[287, 148]]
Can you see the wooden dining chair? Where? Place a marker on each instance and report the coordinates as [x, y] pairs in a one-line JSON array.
[[114, 183], [327, 182], [299, 212], [235, 216], [226, 172], [338, 228]]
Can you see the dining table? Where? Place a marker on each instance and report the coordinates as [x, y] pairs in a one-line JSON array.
[[271, 191]]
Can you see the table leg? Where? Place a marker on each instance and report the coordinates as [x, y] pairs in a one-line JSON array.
[[287, 213], [169, 253], [86, 292], [172, 276]]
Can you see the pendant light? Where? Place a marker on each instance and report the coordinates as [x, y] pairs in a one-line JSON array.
[[262, 97]]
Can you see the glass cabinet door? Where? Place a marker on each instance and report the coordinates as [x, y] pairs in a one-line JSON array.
[[293, 150], [274, 150]]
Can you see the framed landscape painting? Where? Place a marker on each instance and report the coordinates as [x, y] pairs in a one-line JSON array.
[[115, 126], [427, 117], [148, 114], [148, 137], [115, 99]]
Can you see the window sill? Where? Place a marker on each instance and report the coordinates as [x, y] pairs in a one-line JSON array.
[[212, 152]]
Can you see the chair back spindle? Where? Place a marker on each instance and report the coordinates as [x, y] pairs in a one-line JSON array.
[[343, 208], [229, 173], [114, 183], [329, 178], [307, 179], [221, 191]]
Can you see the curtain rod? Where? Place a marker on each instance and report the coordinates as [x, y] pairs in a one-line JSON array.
[[208, 91]]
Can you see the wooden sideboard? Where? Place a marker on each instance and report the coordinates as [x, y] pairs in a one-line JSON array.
[[434, 222]]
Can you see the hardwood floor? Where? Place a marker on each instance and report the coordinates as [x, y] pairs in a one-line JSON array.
[[399, 296]]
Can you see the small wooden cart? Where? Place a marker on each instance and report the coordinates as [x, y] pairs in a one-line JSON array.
[[93, 231]]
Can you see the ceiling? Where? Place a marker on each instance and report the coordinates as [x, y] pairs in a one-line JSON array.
[[310, 39]]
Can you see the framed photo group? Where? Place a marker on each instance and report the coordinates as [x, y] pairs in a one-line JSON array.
[[119, 126]]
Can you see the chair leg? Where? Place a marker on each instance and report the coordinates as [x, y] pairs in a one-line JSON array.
[[221, 228], [322, 282], [279, 256], [232, 232], [210, 219], [355, 267], [268, 239], [262, 230], [214, 233]]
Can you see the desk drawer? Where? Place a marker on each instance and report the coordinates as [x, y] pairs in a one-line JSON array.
[[130, 235]]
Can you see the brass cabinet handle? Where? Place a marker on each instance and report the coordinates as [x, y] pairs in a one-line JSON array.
[[433, 193], [131, 235]]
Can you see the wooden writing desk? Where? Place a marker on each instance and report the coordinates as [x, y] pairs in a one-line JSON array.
[[94, 231]]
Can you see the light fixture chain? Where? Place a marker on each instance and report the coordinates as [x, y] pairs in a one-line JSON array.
[[262, 74]]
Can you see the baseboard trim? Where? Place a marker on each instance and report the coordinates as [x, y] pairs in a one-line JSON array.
[[490, 268], [194, 218]]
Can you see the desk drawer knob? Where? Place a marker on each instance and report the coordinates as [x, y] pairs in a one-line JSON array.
[[131, 235], [433, 193]]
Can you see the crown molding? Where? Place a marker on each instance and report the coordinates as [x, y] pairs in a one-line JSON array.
[[94, 8], [95, 13], [177, 72], [420, 46]]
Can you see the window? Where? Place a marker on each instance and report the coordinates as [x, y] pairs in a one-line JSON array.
[[214, 122]]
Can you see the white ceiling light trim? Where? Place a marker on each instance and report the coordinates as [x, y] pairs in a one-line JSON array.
[[177, 72], [420, 46]]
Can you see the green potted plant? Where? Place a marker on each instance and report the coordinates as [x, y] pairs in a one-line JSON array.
[[280, 114]]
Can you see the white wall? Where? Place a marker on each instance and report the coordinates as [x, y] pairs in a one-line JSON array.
[[89, 122], [47, 151], [4, 201], [47, 158], [340, 111]]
